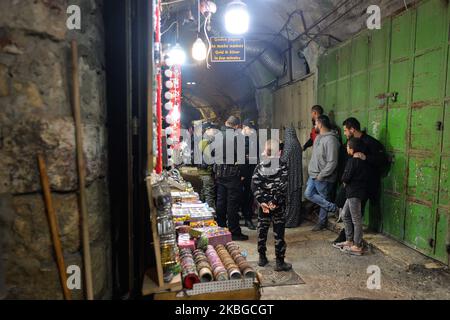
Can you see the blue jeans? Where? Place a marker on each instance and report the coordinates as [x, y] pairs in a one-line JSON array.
[[319, 192]]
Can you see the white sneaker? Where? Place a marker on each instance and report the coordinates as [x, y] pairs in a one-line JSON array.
[[341, 216]]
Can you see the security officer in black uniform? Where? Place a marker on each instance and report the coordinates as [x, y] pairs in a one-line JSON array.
[[229, 187], [251, 160]]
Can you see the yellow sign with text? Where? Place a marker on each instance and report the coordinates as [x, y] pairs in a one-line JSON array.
[[227, 49]]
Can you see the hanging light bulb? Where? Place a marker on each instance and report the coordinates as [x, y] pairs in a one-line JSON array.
[[199, 50], [168, 95], [169, 119], [237, 18], [177, 55], [168, 131], [169, 84], [168, 106], [211, 7], [168, 73]]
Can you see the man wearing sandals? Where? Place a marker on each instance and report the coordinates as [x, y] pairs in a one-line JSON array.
[[354, 179]]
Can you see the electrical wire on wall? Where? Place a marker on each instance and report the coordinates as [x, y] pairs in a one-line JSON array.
[[207, 9], [172, 2], [208, 17], [171, 25]]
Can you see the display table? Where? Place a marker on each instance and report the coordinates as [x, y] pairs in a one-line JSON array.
[[151, 287], [201, 257], [244, 294]]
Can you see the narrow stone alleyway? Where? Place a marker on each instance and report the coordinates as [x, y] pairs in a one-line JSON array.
[[330, 274]]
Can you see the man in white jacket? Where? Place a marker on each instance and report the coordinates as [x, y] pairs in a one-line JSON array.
[[322, 170]]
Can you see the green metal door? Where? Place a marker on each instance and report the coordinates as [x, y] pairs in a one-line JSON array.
[[428, 87], [396, 81], [417, 72], [400, 75], [374, 114]]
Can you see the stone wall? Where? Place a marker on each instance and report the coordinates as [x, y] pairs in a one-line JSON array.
[[36, 116]]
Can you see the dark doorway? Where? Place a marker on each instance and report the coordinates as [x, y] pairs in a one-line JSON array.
[[128, 37]]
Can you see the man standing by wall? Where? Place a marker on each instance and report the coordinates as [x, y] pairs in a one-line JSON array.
[[229, 187], [316, 112], [322, 170], [375, 154]]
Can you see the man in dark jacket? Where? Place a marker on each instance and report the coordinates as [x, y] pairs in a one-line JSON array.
[[375, 155], [354, 180], [251, 160], [229, 187]]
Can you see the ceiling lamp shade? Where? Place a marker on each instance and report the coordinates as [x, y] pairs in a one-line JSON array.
[[237, 18]]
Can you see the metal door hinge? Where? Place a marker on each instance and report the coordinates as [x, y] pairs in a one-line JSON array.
[[135, 126], [439, 126]]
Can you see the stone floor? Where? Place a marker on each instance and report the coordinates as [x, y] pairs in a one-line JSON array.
[[330, 274]]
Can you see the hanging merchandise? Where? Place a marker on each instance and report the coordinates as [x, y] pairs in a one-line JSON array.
[[171, 113], [166, 230], [157, 53]]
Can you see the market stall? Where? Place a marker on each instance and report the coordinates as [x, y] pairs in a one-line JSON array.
[[195, 258]]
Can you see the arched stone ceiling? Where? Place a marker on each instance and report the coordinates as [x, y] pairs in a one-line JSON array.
[[315, 24]]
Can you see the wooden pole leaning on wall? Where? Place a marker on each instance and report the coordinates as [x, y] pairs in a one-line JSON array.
[[53, 226], [81, 173]]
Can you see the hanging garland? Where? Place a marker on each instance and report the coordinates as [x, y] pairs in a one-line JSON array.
[[158, 111]]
